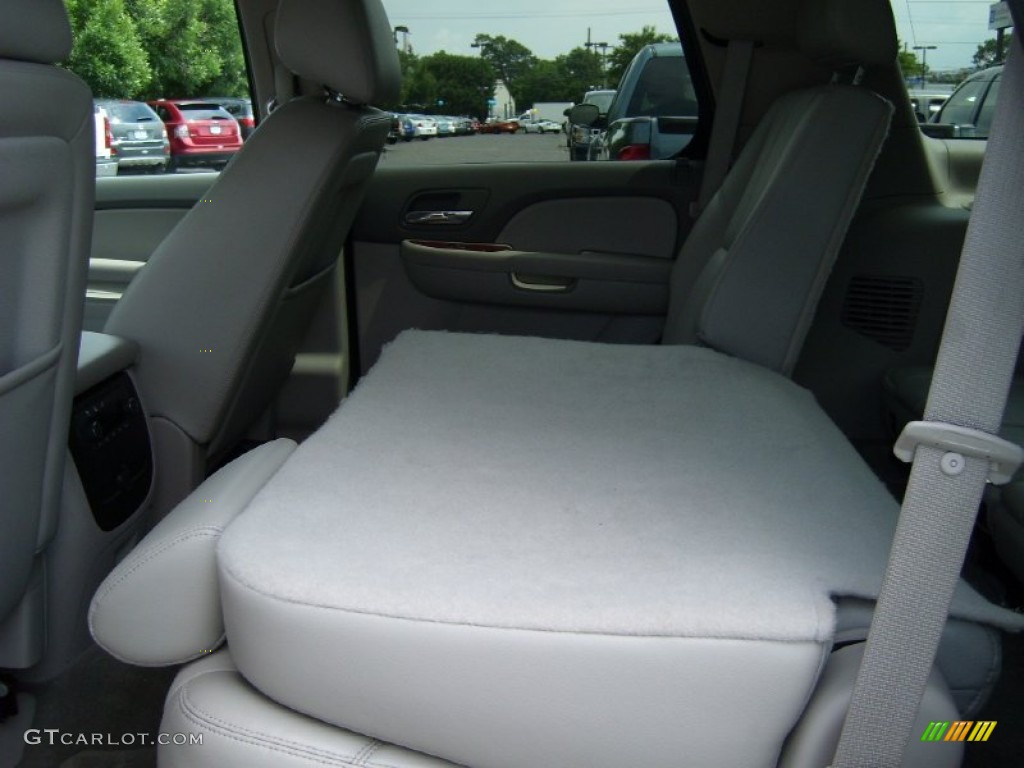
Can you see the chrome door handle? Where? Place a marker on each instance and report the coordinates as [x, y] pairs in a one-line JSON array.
[[435, 218], [542, 283]]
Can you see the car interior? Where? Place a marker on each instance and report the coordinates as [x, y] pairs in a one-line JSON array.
[[320, 460]]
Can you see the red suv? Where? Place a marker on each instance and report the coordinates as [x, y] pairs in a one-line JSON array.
[[201, 133]]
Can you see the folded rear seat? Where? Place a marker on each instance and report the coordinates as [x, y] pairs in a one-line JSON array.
[[494, 535]]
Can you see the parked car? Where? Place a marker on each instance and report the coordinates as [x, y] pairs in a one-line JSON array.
[[240, 109], [654, 112], [499, 125], [464, 126], [541, 126], [424, 127], [970, 108], [926, 104], [445, 125], [138, 136], [579, 137], [201, 133], [106, 163]]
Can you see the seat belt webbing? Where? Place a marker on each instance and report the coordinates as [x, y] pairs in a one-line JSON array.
[[727, 120], [969, 389]]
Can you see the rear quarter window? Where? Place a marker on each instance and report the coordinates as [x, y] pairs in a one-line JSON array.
[[664, 89]]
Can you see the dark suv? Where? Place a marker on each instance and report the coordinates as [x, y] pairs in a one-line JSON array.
[[138, 138], [201, 133], [654, 113]]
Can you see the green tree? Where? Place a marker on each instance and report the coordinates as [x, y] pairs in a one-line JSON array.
[[546, 81], [629, 45], [421, 90], [987, 54], [509, 59], [583, 70], [108, 52], [194, 47], [448, 84], [909, 64], [566, 78]]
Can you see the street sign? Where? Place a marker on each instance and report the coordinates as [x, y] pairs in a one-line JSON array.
[[491, 102], [999, 16]]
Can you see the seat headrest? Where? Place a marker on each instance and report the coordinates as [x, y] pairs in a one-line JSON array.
[[346, 45], [844, 33], [35, 30]]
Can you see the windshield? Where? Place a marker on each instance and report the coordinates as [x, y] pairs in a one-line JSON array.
[[601, 99]]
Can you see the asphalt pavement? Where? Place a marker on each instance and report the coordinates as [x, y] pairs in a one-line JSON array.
[[484, 148]]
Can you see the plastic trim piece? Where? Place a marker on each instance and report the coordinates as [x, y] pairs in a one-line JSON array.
[[1003, 456]]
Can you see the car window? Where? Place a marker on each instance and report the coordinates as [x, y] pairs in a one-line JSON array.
[[962, 106], [601, 99], [129, 112], [988, 109], [509, 75], [664, 88], [203, 112], [131, 52]]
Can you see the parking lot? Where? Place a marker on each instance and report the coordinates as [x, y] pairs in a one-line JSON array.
[[484, 148]]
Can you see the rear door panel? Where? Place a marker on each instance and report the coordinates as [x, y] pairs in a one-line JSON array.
[[133, 216], [590, 246]]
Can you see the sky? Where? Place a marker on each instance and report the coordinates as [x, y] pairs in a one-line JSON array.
[[955, 27], [553, 27]]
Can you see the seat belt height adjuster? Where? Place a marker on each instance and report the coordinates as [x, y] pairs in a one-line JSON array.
[[1003, 456]]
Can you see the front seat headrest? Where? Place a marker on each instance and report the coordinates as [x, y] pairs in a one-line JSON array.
[[848, 33], [35, 30], [345, 45]]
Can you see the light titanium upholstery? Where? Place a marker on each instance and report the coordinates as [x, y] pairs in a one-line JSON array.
[[243, 729], [161, 605], [47, 182], [224, 301], [751, 271], [598, 688]]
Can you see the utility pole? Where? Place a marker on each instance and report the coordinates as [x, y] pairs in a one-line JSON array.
[[590, 46], [924, 61], [405, 37]]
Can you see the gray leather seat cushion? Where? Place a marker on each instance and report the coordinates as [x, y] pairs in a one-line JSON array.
[[243, 729], [656, 531]]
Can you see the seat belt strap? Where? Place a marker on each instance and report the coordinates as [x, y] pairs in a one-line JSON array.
[[955, 450], [727, 120]]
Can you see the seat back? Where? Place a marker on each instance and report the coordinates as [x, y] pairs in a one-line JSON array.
[[47, 183], [749, 276], [239, 278]]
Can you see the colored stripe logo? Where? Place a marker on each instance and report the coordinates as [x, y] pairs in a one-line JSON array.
[[959, 730]]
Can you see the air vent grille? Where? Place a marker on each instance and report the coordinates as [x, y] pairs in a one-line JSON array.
[[884, 309]]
